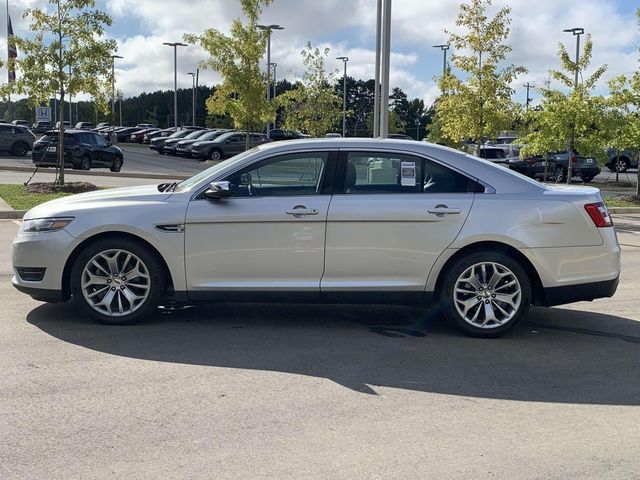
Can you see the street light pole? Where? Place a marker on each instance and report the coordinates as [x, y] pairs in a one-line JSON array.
[[275, 80], [344, 96], [528, 86], [113, 89], [376, 91], [268, 29], [417, 124], [444, 49], [385, 57], [193, 96], [175, 46], [577, 31]]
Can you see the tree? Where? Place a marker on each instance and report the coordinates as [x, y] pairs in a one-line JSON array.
[[478, 105], [237, 58], [625, 102], [313, 106], [68, 37], [569, 120]]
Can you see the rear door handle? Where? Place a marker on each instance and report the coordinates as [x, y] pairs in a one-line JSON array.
[[442, 210], [302, 211]]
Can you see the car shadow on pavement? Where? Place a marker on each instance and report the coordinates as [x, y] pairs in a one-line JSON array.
[[555, 355]]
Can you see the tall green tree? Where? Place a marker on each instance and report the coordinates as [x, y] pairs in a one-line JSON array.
[[478, 104], [66, 55], [313, 106], [571, 118], [237, 58]]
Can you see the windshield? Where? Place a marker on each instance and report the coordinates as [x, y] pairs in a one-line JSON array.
[[210, 135], [492, 153], [178, 134], [190, 182], [196, 134]]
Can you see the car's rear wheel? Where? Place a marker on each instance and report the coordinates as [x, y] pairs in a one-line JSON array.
[[20, 149], [485, 294], [117, 281], [560, 175], [215, 154], [116, 166], [587, 179]]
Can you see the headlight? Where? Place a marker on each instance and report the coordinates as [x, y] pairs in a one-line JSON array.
[[38, 225]]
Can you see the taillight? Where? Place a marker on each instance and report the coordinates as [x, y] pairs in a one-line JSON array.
[[599, 214]]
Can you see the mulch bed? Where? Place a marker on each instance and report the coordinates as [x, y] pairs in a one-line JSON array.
[[630, 198], [72, 187]]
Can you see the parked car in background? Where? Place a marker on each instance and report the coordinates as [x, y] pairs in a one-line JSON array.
[[122, 134], [102, 125], [183, 147], [584, 167], [146, 125], [66, 123], [311, 221], [399, 136], [84, 126], [623, 159], [170, 144], [83, 151], [138, 137], [491, 153], [21, 123], [157, 143], [16, 140], [226, 145], [158, 133], [533, 167], [41, 127], [332, 135], [278, 134]]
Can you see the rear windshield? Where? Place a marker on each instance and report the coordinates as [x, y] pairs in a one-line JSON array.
[[490, 153], [54, 138]]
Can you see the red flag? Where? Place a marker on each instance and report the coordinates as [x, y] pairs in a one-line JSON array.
[[13, 51]]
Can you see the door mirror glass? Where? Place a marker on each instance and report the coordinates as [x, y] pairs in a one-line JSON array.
[[218, 190]]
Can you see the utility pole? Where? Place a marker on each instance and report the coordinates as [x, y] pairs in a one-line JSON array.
[[70, 102], [577, 31], [383, 57], [175, 46], [528, 86], [376, 102], [193, 96], [344, 96], [113, 90], [444, 48]]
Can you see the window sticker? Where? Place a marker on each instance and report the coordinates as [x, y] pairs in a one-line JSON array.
[[408, 174]]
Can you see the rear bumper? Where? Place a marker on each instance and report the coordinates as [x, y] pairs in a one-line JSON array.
[[577, 293]]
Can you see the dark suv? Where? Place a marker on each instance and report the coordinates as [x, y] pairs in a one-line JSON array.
[[16, 140], [584, 167], [83, 151], [226, 145], [624, 159], [278, 134]]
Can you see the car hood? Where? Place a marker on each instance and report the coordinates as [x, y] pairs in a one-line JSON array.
[[91, 201]]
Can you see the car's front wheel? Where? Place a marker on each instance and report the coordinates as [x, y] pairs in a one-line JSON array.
[[117, 281], [116, 166], [215, 154], [485, 294]]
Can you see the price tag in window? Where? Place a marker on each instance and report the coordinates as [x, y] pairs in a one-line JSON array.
[[408, 174]]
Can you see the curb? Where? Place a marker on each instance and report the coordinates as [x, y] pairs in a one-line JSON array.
[[152, 176], [624, 210], [12, 214]]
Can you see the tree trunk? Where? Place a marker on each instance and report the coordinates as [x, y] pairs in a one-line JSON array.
[[246, 139], [617, 165], [61, 140], [638, 177]]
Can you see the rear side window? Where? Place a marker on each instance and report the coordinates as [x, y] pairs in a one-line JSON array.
[[386, 173]]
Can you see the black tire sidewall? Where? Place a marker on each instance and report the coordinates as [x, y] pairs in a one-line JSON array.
[[213, 153], [445, 293], [117, 165], [156, 273]]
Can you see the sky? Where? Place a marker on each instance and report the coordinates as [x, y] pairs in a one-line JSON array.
[[347, 27]]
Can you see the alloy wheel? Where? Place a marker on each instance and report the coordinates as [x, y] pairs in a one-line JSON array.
[[487, 295], [115, 282]]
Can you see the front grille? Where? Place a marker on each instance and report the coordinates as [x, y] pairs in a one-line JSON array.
[[31, 274]]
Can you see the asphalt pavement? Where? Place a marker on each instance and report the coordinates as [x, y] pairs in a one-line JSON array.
[[292, 392]]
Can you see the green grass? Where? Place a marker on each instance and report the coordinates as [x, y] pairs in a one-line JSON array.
[[16, 196], [612, 202]]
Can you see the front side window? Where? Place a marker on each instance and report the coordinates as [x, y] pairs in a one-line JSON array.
[[285, 175]]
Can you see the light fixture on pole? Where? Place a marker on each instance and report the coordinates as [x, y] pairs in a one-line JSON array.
[[193, 96], [175, 46], [444, 49], [576, 31], [344, 96], [268, 29], [113, 89]]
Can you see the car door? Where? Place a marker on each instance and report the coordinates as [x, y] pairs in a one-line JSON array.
[[6, 138], [268, 236], [234, 145], [103, 149], [390, 218]]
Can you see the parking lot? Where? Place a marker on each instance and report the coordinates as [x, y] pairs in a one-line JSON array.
[[255, 391]]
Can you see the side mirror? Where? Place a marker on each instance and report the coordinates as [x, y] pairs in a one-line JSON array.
[[227, 141], [218, 190]]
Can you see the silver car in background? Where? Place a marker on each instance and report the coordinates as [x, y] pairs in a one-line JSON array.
[[327, 220]]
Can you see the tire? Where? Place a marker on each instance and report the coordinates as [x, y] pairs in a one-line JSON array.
[[622, 165], [116, 166], [19, 149], [85, 163], [215, 154], [125, 304], [560, 174], [587, 179], [480, 301]]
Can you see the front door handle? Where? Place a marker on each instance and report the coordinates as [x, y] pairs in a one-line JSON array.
[[442, 210], [302, 211]]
